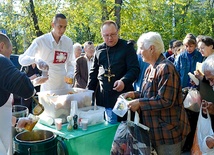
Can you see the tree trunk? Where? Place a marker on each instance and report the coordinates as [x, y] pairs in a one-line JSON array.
[[104, 11], [35, 19], [118, 4]]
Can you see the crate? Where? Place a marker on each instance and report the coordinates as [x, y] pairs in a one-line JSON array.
[[57, 103], [94, 115]]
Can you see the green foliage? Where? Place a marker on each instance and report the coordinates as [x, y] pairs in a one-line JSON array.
[[171, 18]]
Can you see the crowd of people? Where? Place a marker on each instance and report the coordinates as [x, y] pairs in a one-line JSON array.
[[151, 77]]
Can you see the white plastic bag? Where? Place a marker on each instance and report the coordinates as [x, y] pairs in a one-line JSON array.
[[204, 129], [120, 108], [193, 100]]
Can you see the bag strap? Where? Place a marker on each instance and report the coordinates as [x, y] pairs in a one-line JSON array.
[[129, 115], [136, 117], [136, 120]]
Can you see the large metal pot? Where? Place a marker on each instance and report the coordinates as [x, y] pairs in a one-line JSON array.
[[36, 142], [39, 142]]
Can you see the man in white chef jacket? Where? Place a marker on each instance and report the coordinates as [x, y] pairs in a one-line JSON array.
[[56, 51], [11, 81]]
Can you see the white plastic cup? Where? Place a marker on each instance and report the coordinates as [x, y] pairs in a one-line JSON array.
[[74, 108], [58, 123], [84, 123]]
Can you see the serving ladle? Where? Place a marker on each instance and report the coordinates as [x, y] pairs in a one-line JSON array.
[[39, 108]]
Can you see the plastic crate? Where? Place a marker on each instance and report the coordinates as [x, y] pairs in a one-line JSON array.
[[94, 115], [57, 103]]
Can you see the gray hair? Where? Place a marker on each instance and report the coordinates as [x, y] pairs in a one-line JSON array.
[[151, 38], [208, 64], [76, 45]]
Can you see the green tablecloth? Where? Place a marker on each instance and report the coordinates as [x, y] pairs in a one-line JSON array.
[[96, 140]]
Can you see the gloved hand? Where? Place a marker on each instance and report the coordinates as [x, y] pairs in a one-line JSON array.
[[23, 121], [41, 65], [69, 79], [39, 80]]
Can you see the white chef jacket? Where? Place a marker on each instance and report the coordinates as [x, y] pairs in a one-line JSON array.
[[6, 127], [60, 58]]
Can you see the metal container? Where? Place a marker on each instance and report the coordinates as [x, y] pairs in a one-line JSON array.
[[19, 111], [36, 142]]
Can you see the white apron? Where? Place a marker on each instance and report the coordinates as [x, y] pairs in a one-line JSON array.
[[6, 127], [56, 60]]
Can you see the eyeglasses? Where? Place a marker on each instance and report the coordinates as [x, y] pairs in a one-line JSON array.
[[91, 48], [109, 35]]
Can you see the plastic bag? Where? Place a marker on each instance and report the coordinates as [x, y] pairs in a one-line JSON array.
[[131, 138], [203, 130], [193, 100], [120, 108]]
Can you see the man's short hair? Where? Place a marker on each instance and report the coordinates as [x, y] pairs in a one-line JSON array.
[[59, 15], [109, 22], [88, 43], [4, 38]]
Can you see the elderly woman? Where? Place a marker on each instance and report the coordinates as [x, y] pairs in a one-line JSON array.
[[208, 70], [160, 101]]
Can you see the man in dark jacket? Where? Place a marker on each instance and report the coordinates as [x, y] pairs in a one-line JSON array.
[[115, 67]]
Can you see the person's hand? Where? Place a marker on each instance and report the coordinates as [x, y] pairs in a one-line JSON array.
[[129, 94], [41, 65], [119, 85], [134, 105], [207, 106], [198, 75], [33, 77], [210, 142], [192, 82], [210, 108], [69, 80], [23, 121], [39, 80]]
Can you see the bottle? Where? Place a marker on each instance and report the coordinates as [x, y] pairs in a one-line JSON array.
[[75, 118], [74, 110], [69, 126]]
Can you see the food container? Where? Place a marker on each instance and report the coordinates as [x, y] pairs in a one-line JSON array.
[[36, 142], [57, 103], [94, 115]]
